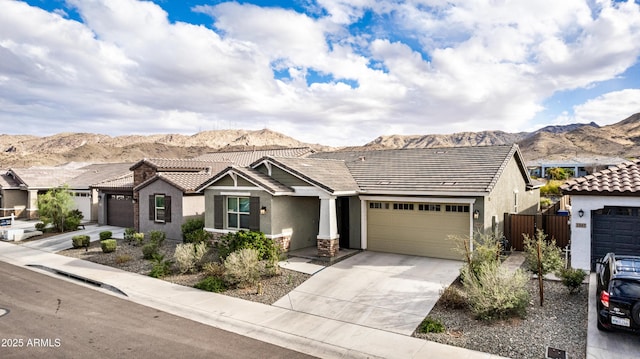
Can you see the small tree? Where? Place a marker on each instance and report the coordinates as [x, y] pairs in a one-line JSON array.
[[55, 206], [542, 257]]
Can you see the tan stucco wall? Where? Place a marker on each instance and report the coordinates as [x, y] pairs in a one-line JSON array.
[[15, 199], [299, 215]]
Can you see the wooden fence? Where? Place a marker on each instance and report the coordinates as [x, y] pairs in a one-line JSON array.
[[554, 226]]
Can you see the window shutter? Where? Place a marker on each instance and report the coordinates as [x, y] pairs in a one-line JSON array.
[[218, 212], [152, 207], [254, 213], [167, 209]]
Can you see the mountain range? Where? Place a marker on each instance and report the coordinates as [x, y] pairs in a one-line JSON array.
[[621, 139]]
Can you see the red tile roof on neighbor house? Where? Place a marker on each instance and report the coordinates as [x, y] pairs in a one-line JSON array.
[[623, 179]]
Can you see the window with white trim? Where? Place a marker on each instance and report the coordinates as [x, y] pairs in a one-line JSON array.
[[160, 210], [375, 205], [457, 208], [429, 207], [403, 206], [238, 212]]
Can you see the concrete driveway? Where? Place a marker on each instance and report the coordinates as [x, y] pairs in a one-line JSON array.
[[605, 345], [385, 291]]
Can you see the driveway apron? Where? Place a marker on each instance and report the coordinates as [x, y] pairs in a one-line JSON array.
[[384, 291]]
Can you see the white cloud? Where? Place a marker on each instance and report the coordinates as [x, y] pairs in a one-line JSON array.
[[479, 65], [606, 109]]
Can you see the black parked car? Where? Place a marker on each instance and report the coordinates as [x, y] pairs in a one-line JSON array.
[[618, 292]]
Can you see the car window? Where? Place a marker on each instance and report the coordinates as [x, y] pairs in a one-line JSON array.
[[625, 288], [606, 274]]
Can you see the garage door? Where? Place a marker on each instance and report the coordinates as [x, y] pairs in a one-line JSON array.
[[120, 210], [416, 228], [615, 229]]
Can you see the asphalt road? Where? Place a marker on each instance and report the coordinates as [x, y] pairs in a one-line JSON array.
[[45, 317]]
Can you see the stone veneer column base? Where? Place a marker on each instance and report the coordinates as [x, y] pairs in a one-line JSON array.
[[284, 243], [328, 247]]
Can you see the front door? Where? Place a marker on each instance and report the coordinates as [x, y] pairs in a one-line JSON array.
[[342, 214]]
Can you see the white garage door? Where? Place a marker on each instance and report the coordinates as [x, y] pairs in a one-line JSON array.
[[417, 228]]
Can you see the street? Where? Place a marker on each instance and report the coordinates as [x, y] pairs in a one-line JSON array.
[[41, 316]]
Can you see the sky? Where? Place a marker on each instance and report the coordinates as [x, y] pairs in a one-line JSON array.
[[333, 72]]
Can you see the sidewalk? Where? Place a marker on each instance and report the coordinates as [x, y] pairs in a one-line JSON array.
[[306, 333]]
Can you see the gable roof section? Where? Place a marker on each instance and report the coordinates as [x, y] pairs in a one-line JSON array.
[[256, 177], [124, 182], [173, 164], [328, 174], [623, 179], [245, 158], [186, 181], [468, 170], [43, 177], [98, 172]]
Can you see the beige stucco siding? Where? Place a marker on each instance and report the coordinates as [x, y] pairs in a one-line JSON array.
[[299, 215], [414, 232]]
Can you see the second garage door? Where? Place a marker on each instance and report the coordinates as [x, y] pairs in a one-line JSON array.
[[615, 229], [416, 228]]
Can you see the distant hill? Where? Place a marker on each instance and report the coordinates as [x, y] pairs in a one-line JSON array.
[[621, 139]]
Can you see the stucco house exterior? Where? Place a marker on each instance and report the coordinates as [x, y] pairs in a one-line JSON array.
[[400, 201], [605, 214]]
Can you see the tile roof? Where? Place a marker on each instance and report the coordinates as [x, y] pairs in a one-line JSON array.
[[187, 182], [332, 175], [44, 177], [245, 158], [449, 170], [124, 182], [174, 164], [98, 172], [623, 179]]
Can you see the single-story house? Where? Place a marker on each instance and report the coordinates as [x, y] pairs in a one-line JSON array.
[[406, 201], [581, 166], [605, 214]]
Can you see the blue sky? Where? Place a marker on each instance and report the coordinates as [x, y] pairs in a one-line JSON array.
[[334, 72]]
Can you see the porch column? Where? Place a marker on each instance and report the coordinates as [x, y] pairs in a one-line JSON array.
[[328, 238], [32, 204]]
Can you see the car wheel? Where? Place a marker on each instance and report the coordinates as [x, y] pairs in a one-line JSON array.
[[635, 313]]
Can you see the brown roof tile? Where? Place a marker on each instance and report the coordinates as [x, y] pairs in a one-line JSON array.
[[623, 179]]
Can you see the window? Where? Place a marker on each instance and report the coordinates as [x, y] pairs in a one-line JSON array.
[[238, 212], [376, 205], [160, 212], [403, 206], [429, 207], [515, 201], [456, 208]]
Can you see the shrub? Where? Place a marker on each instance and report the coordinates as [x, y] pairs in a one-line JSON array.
[[551, 255], [128, 234], [71, 223], [161, 267], [123, 258], [157, 237], [213, 269], [105, 235], [81, 240], [486, 249], [572, 278], [494, 292], [108, 245], [430, 325], [212, 284], [188, 256], [197, 236], [242, 267], [190, 226], [452, 297], [551, 188], [138, 239], [545, 202], [231, 242], [149, 250], [40, 226]]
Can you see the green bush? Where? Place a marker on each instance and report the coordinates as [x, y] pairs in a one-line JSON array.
[[161, 267], [551, 188], [123, 258], [231, 242], [242, 267], [128, 234], [40, 226], [157, 237], [71, 223], [572, 278], [108, 245], [551, 255], [105, 235], [190, 226], [486, 248], [149, 250], [453, 298], [212, 284], [81, 240], [545, 202], [188, 256], [495, 293], [197, 236], [430, 325], [137, 239], [213, 269]]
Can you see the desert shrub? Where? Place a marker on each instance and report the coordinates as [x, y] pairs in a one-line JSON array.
[[231, 242], [551, 255], [128, 234], [559, 173], [572, 278], [551, 188], [188, 256], [123, 258], [81, 240], [157, 237], [71, 223], [198, 236], [108, 245], [105, 235], [494, 293], [486, 249], [137, 239], [149, 250], [190, 226], [161, 267], [40, 226], [242, 267], [213, 269], [212, 284], [452, 297], [430, 325], [545, 202]]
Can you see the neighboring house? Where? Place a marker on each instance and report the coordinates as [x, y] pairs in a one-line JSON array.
[[580, 166], [605, 214], [115, 201], [245, 158], [21, 186], [400, 201]]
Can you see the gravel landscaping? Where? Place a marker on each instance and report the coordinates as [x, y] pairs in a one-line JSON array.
[[561, 323], [129, 258]]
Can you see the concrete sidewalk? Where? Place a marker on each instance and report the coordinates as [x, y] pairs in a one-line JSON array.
[[325, 338]]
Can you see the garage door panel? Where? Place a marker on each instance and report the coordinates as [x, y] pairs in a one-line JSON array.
[[615, 233]]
